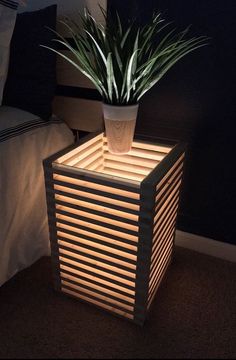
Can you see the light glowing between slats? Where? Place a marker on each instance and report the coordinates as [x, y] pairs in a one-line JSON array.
[[112, 221]]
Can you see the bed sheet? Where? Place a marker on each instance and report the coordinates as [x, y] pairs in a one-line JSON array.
[[25, 141]]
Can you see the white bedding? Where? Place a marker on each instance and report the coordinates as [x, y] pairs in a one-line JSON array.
[[25, 141]]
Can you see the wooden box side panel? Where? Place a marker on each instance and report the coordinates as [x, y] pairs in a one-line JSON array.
[[147, 204], [51, 211], [95, 229], [167, 193]]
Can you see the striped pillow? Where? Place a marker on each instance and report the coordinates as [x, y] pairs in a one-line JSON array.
[[8, 10]]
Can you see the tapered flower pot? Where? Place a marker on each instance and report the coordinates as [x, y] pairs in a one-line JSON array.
[[120, 124]]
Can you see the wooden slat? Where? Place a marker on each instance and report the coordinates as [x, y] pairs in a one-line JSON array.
[[98, 275], [122, 290], [126, 242], [101, 220], [143, 154], [90, 198], [83, 153], [94, 232], [157, 269], [99, 257], [165, 233], [107, 247], [171, 200], [103, 274], [98, 303], [97, 229], [165, 223], [128, 159], [123, 242], [173, 203], [147, 199], [96, 165], [129, 215], [97, 290], [166, 230], [166, 243], [87, 161], [100, 289], [96, 188], [128, 175], [97, 178], [156, 176], [74, 153], [164, 261], [75, 212], [169, 172], [169, 181], [83, 191], [119, 165], [162, 274], [105, 176], [144, 145], [65, 249], [68, 237], [97, 295], [169, 193], [153, 147]]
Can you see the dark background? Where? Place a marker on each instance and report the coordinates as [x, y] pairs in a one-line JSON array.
[[195, 102]]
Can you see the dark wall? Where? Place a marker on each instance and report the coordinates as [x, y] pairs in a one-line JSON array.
[[196, 102]]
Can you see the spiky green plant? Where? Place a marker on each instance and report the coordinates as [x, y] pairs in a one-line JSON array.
[[125, 62]]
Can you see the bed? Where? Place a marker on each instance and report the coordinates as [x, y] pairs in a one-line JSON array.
[[30, 129], [25, 140], [29, 133]]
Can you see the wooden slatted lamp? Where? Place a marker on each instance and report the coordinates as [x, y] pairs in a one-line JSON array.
[[112, 221]]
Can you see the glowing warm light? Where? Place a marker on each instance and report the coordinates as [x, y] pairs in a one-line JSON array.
[[112, 237]]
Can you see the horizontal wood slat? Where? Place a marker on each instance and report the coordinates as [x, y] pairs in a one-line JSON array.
[[93, 297], [165, 260], [98, 303], [102, 274], [158, 281], [83, 191], [92, 244], [96, 188], [67, 252], [97, 293], [128, 159], [68, 198], [96, 276], [101, 221], [97, 288], [113, 211], [65, 249], [96, 179], [122, 290], [110, 238], [75, 213]]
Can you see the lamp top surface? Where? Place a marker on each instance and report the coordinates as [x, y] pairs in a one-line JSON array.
[[93, 156]]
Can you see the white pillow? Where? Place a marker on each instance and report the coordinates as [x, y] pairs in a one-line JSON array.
[[8, 10]]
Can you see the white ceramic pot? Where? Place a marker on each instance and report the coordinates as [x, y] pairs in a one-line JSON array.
[[120, 122]]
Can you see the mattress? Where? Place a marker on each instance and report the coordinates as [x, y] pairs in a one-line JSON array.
[[25, 141]]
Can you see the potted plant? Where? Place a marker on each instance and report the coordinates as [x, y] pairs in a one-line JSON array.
[[124, 63]]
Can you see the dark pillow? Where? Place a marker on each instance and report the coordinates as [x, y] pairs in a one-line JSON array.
[[31, 80]]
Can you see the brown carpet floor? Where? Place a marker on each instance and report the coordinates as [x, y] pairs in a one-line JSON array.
[[193, 317]]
